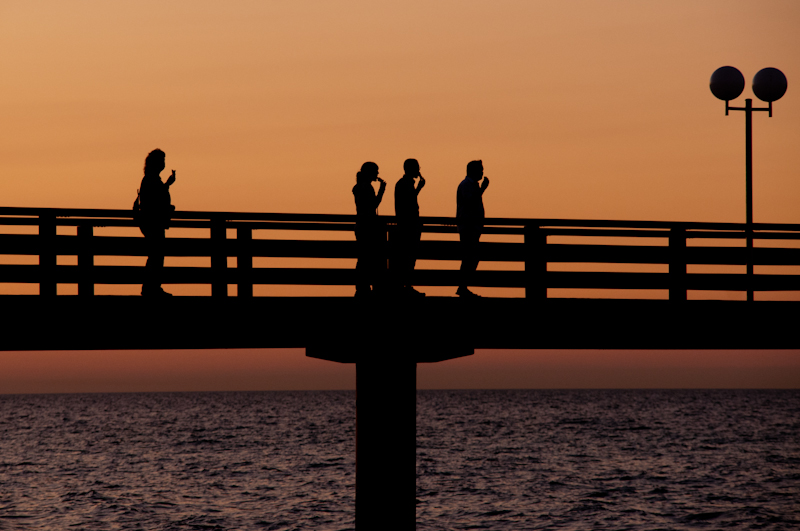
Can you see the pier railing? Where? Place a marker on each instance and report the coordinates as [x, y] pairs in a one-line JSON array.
[[538, 248]]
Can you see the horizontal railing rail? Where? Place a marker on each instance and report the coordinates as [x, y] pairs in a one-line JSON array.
[[676, 245]]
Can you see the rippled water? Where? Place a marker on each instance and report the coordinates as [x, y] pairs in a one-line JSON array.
[[485, 460]]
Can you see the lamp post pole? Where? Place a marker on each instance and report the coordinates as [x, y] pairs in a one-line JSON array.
[[748, 162], [748, 175], [769, 84], [748, 172]]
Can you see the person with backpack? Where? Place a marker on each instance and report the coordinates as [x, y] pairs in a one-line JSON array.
[[155, 211]]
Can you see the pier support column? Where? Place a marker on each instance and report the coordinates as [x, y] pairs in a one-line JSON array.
[[386, 443]]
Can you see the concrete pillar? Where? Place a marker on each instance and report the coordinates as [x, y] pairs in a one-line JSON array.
[[386, 443]]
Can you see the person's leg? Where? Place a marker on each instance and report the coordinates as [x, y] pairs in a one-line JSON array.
[[416, 235], [363, 263], [469, 263], [397, 254], [403, 256], [378, 259], [411, 251], [154, 267]]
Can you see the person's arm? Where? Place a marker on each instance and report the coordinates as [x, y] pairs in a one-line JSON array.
[[171, 179], [381, 190], [484, 184], [421, 183]]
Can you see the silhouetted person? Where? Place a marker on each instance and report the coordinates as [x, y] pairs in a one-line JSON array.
[[370, 235], [409, 228], [156, 211], [469, 217]]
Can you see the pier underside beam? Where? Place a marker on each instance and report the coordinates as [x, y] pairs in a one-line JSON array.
[[440, 328]]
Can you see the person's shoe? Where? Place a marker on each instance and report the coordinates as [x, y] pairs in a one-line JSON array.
[[383, 292], [467, 294], [148, 291], [408, 291]]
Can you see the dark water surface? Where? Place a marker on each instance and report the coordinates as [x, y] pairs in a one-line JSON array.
[[485, 460]]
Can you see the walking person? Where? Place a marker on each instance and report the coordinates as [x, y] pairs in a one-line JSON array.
[[409, 228], [156, 209], [370, 236], [469, 218]]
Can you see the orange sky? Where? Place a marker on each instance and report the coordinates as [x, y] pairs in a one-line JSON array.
[[290, 369], [578, 109]]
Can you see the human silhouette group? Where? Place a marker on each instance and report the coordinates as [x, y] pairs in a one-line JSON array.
[[153, 211], [371, 235]]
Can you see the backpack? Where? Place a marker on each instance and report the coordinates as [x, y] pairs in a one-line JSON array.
[[137, 208]]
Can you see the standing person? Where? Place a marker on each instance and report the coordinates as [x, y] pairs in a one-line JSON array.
[[370, 237], [156, 210], [409, 228], [469, 218]]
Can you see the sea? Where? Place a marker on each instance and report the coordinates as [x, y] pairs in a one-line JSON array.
[[494, 460]]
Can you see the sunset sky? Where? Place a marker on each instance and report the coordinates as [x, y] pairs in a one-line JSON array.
[[578, 109]]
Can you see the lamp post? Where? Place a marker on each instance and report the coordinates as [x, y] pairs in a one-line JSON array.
[[769, 85]]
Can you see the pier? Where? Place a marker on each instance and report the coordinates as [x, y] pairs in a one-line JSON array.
[[548, 265]]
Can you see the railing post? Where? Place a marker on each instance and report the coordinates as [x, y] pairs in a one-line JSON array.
[[219, 258], [535, 263], [47, 255], [677, 264], [244, 261], [85, 261]]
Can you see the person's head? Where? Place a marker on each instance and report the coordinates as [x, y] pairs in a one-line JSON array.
[[475, 170], [411, 167], [155, 163], [368, 173]]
